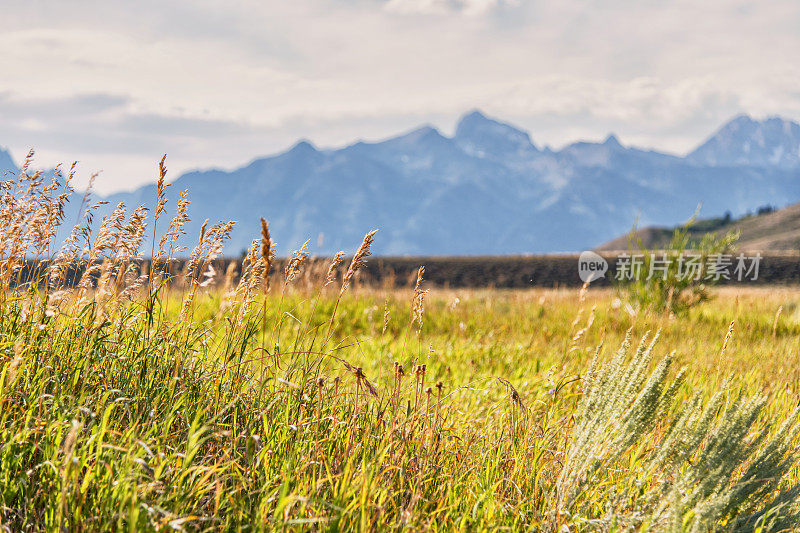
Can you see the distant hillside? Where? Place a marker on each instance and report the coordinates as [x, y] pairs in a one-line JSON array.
[[487, 189], [770, 232]]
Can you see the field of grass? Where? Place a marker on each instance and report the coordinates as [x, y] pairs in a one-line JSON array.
[[250, 400]]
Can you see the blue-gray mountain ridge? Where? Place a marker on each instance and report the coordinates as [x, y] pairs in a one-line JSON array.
[[488, 189]]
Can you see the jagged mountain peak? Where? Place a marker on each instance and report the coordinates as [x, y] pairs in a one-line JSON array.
[[612, 141], [303, 145], [480, 135], [423, 135], [770, 142], [300, 151], [593, 154]]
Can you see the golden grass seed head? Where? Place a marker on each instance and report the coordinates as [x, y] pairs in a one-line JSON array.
[[359, 259], [330, 276], [267, 253], [295, 263], [161, 199]]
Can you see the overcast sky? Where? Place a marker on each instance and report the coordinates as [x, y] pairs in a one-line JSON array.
[[217, 83]]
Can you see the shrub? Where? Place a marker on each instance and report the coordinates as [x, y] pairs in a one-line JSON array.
[[679, 466], [675, 278]]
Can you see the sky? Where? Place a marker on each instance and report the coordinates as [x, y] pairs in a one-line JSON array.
[[211, 83]]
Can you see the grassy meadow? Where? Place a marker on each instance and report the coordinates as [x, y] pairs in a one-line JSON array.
[[144, 399]]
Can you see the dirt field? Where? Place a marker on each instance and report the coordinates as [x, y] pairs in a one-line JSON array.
[[505, 272]]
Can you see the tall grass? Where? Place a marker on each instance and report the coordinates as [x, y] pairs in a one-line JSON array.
[[135, 397]]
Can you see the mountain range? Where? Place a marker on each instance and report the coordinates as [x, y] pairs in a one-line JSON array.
[[487, 189]]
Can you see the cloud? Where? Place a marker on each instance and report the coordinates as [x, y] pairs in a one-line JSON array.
[[438, 7], [107, 132], [75, 106]]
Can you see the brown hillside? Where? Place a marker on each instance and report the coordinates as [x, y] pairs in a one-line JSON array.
[[778, 231]]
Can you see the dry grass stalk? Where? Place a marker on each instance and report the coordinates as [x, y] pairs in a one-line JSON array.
[[330, 275], [439, 390], [775, 322], [385, 316], [250, 281], [267, 253], [359, 259], [295, 264], [358, 262], [167, 244], [230, 276], [583, 291], [418, 300], [191, 267], [161, 204], [728, 337], [161, 198]]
